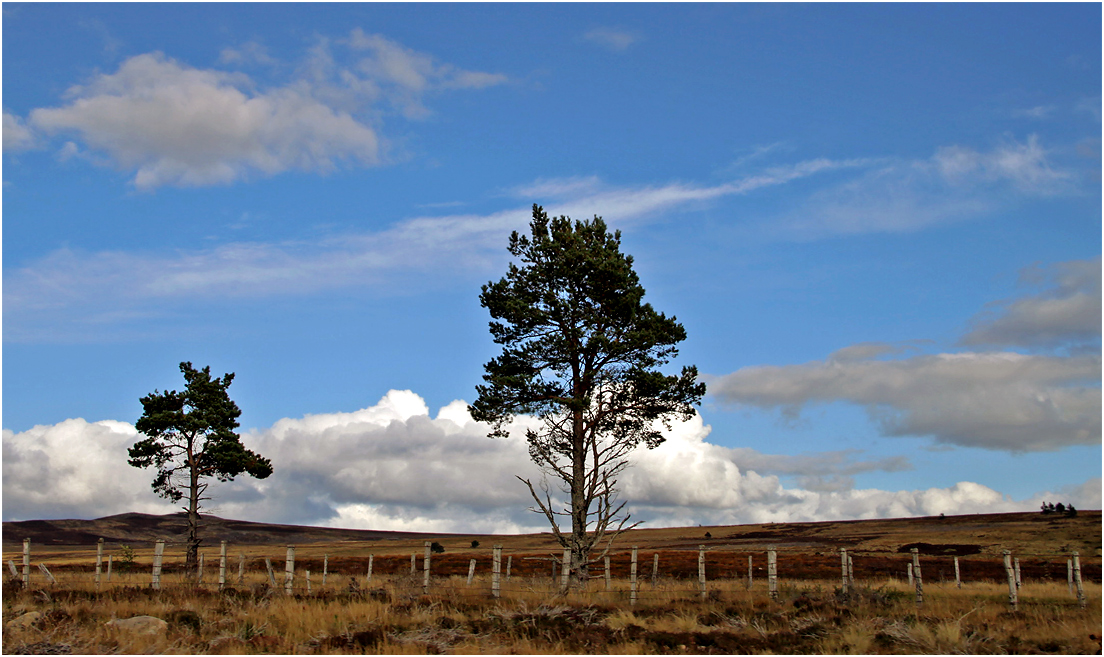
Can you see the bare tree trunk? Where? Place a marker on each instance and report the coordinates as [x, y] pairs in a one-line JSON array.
[[192, 558]]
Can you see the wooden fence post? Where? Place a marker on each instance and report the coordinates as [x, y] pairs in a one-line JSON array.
[[15, 571], [1069, 575], [413, 564], [509, 563], [369, 577], [306, 574], [565, 567], [325, 568], [271, 575], [471, 571], [496, 570], [222, 565], [1077, 579], [608, 582], [851, 570], [749, 573], [289, 570], [99, 561], [911, 579], [241, 568], [1016, 567], [425, 567], [1013, 599], [958, 577], [843, 568], [655, 568], [26, 562], [199, 569], [919, 578], [46, 572], [772, 572], [158, 554], [701, 570], [632, 578]]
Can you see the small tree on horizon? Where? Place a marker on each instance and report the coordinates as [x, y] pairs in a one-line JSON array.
[[189, 436], [581, 352]]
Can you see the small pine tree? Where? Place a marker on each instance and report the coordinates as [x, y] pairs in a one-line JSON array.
[[1071, 512], [1059, 508], [475, 544]]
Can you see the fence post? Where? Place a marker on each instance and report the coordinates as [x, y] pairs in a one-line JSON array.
[[919, 578], [843, 568], [1016, 567], [46, 572], [222, 565], [241, 568], [655, 568], [911, 579], [608, 582], [369, 577], [425, 567], [632, 578], [26, 562], [1013, 599], [851, 570], [289, 570], [509, 563], [306, 573], [199, 569], [565, 567], [471, 571], [701, 570], [958, 578], [1077, 580], [15, 571], [772, 572], [496, 570], [158, 554], [413, 564], [749, 573], [1069, 575], [99, 561], [271, 575]]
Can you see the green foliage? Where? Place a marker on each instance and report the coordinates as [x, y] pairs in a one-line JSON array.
[[193, 432], [581, 351], [126, 557]]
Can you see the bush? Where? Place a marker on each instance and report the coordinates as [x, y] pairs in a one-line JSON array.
[[475, 544], [436, 548]]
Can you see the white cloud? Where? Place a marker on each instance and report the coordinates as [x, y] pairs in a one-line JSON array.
[[1068, 310], [901, 196], [17, 136], [96, 287], [176, 125], [1003, 401], [612, 39], [393, 466]]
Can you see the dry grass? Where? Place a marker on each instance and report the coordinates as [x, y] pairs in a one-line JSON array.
[[394, 617]]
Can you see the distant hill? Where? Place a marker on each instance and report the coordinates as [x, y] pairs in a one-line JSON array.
[[139, 529]]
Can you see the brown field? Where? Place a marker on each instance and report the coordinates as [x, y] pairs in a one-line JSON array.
[[392, 614]]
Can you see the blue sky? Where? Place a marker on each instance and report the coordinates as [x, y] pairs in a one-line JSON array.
[[879, 224]]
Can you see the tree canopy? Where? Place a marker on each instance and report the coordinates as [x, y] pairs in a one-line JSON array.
[[581, 351]]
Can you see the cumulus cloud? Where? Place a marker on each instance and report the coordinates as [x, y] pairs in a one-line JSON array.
[[394, 466], [17, 136], [611, 38], [1003, 401], [1066, 311], [173, 124]]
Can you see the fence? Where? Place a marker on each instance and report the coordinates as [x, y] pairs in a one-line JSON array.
[[440, 573]]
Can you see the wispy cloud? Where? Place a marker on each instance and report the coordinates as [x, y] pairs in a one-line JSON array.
[[17, 135], [614, 39], [82, 287]]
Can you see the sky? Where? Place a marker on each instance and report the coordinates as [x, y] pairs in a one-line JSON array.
[[880, 226]]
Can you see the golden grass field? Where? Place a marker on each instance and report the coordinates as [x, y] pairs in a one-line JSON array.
[[391, 614]]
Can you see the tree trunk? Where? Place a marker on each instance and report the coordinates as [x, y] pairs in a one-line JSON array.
[[191, 561], [580, 552]]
